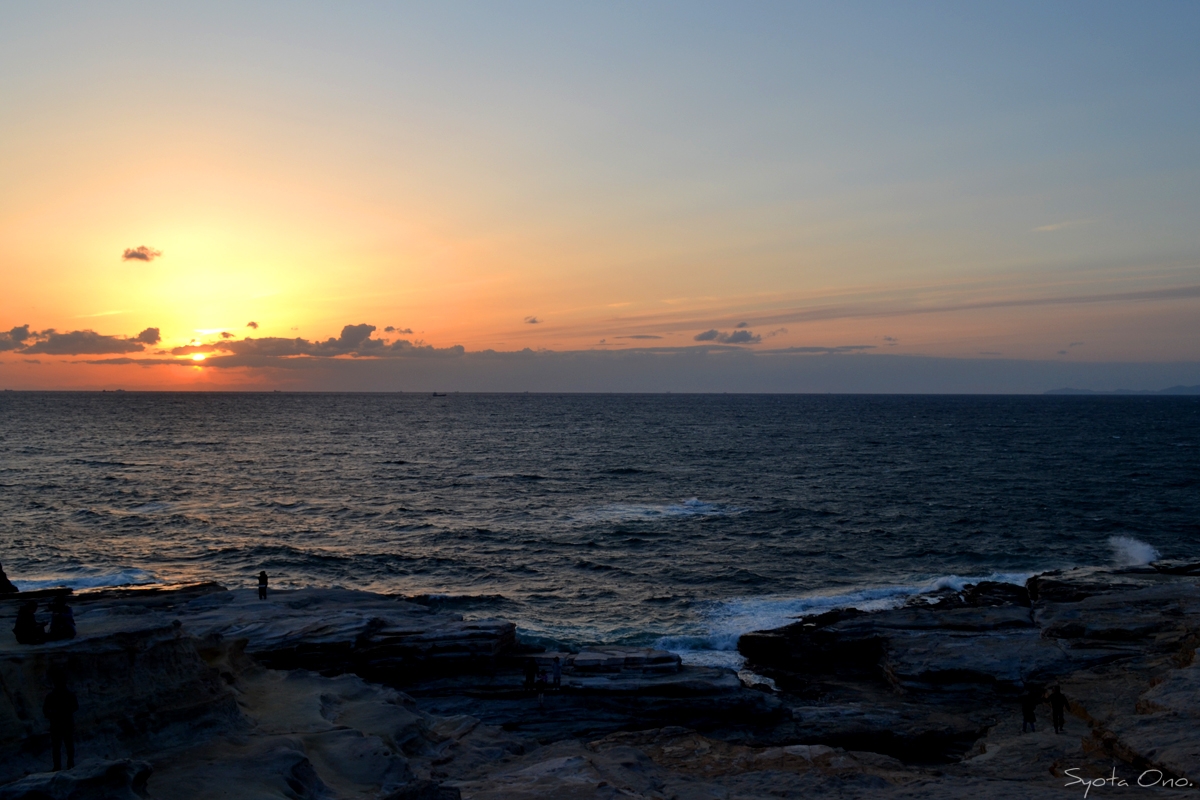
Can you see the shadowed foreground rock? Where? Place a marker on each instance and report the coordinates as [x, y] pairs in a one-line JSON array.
[[938, 679], [193, 692], [112, 780]]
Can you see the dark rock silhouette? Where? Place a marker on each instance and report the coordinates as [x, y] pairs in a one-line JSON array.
[[6, 586]]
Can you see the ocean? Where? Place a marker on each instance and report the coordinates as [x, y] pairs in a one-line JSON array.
[[679, 521]]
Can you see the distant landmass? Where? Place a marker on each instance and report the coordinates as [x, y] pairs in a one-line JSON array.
[[1172, 390]]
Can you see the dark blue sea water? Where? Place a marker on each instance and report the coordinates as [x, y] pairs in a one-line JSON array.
[[682, 520]]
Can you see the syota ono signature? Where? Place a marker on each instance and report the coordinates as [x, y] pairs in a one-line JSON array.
[[1151, 778]]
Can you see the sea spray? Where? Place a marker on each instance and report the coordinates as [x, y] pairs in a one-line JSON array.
[[1130, 552]]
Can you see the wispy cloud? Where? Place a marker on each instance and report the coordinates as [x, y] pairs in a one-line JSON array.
[[532, 321], [1058, 226], [100, 314]]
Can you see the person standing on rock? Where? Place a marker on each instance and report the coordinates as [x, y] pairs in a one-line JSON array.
[[1058, 704], [1029, 704], [262, 585], [62, 621], [60, 707], [6, 586], [28, 630]]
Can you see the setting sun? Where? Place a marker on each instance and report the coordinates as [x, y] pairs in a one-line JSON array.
[[197, 356]]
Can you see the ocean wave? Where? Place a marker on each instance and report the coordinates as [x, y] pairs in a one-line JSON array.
[[628, 512], [86, 578], [727, 620], [1130, 552]]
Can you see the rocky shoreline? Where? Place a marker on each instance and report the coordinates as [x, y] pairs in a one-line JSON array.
[[198, 691]]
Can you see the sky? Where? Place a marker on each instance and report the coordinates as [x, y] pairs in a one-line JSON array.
[[614, 196]]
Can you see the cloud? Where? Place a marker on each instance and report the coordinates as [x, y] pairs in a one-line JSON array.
[[1058, 226], [33, 360], [736, 337], [354, 341], [226, 335], [742, 337], [838, 349], [390, 329], [189, 349], [639, 336], [15, 338], [533, 320], [777, 331], [742, 325], [253, 324], [148, 336], [75, 343], [142, 253]]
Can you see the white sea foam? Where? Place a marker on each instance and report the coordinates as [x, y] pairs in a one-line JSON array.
[[624, 512], [87, 579], [729, 619], [1130, 552]]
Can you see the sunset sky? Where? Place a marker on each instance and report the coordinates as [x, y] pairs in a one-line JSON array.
[[787, 188]]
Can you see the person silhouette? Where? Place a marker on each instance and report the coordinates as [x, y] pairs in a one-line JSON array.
[[1058, 704], [530, 673], [1029, 704], [62, 621], [27, 629], [262, 585], [556, 671], [6, 586], [60, 707]]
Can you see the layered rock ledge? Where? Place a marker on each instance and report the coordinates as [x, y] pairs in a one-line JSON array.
[[199, 692], [937, 680]]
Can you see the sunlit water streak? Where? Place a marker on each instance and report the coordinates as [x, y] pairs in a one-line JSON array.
[[678, 520]]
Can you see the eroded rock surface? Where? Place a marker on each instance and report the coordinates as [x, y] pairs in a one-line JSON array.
[[939, 678], [605, 690], [183, 695]]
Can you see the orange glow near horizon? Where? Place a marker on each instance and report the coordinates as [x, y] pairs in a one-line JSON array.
[[499, 187]]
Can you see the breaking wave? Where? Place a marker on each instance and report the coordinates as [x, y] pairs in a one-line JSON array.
[[1130, 552], [729, 619], [88, 579]]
